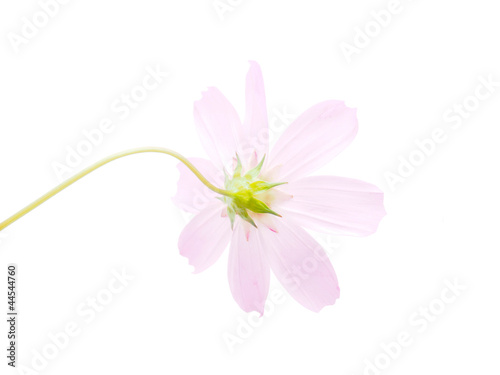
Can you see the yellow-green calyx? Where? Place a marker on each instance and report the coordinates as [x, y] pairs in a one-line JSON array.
[[247, 193]]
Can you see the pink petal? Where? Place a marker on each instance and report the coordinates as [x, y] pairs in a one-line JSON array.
[[256, 123], [248, 270], [301, 265], [218, 125], [312, 140], [334, 204], [205, 237], [192, 195]]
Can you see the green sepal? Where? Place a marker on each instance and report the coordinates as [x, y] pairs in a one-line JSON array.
[[245, 216], [232, 215], [257, 206], [252, 173], [254, 205], [226, 177], [239, 167], [260, 186]]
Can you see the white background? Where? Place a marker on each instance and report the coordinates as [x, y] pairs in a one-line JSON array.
[[442, 221]]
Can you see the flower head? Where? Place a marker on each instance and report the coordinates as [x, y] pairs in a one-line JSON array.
[[270, 199], [249, 194]]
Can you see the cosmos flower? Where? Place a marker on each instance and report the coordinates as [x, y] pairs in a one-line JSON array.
[[272, 200]]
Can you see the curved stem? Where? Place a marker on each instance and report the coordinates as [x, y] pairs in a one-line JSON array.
[[99, 164]]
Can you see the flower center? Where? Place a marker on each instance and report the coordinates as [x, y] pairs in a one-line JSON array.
[[249, 193]]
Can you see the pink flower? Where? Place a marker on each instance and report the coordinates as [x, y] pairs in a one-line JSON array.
[[263, 223]]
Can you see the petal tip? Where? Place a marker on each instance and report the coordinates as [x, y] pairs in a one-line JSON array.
[[254, 64], [336, 296]]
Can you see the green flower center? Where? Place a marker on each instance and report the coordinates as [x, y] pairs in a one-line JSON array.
[[248, 193]]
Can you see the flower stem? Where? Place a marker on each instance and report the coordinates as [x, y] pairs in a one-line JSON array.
[[99, 164]]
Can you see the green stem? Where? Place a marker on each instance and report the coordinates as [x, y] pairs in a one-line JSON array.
[[99, 164]]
